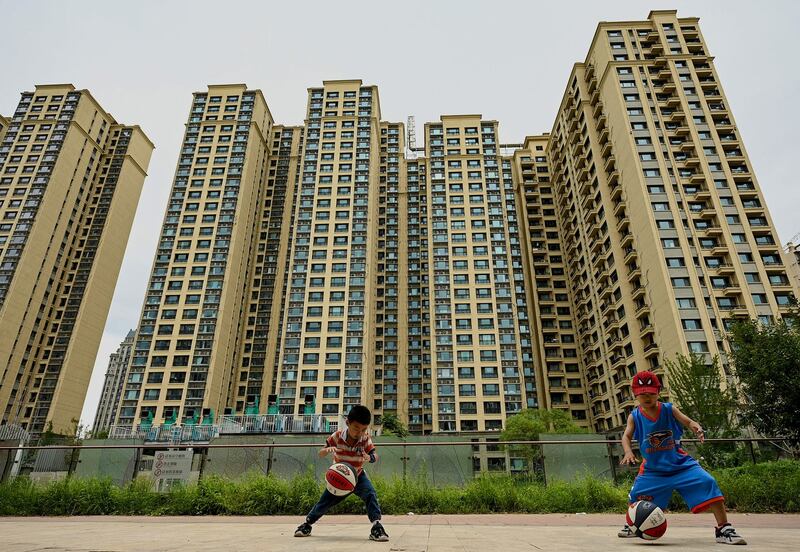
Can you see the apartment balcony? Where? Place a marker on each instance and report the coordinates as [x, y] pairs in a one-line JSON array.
[[638, 292], [647, 329], [773, 266], [704, 72], [617, 362], [725, 268], [619, 207], [695, 48], [677, 117], [605, 143], [724, 125], [650, 349], [668, 87], [630, 254], [601, 122], [732, 290], [589, 74]]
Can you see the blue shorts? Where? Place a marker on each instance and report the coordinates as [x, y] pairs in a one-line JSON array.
[[697, 487]]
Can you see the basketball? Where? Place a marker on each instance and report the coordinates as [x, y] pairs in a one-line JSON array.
[[340, 479], [647, 520]]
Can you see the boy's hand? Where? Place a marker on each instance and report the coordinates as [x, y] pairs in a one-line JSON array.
[[371, 457], [695, 427], [628, 459], [326, 451]]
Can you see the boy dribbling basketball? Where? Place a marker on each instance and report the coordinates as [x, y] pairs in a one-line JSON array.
[[352, 445], [665, 466]]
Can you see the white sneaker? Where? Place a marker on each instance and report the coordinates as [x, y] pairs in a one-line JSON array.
[[727, 535]]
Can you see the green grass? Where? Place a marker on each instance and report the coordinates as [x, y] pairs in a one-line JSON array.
[[767, 487]]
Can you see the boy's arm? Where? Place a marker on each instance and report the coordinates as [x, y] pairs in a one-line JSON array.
[[629, 457], [329, 447], [369, 450], [686, 421]]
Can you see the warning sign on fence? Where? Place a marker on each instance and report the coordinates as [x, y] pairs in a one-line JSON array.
[[170, 468]]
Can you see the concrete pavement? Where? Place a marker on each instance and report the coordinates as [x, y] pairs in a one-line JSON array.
[[467, 533]]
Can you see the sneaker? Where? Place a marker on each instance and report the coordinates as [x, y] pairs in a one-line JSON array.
[[378, 533], [304, 530], [626, 533], [727, 535]]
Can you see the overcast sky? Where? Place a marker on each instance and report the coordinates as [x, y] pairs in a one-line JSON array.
[[506, 60]]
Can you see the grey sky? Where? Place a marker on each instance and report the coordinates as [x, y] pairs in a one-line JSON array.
[[506, 60]]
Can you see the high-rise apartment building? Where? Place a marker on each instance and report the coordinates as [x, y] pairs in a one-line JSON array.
[[666, 231], [3, 127], [70, 179], [792, 251], [459, 286], [112, 385], [186, 350]]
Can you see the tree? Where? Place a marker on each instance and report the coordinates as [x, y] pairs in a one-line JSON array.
[[393, 426], [698, 389], [530, 423], [766, 358]]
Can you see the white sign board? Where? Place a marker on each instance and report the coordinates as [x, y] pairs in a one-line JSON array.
[[171, 467]]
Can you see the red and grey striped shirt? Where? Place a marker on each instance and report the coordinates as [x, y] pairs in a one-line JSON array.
[[353, 455]]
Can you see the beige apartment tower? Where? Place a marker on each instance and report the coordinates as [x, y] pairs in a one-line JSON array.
[[186, 351], [303, 269], [666, 231], [70, 179]]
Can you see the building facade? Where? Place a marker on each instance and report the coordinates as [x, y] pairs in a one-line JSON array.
[[70, 179], [305, 269], [112, 385], [792, 251], [665, 227]]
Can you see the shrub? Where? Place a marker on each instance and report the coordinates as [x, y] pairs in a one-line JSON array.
[[766, 487]]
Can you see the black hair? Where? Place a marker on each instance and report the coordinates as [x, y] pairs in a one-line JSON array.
[[359, 413]]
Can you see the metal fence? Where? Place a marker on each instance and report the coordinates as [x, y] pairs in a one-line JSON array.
[[438, 459]]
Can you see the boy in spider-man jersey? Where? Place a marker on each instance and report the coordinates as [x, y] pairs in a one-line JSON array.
[[666, 467]]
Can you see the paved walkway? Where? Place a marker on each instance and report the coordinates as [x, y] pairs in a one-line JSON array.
[[472, 533]]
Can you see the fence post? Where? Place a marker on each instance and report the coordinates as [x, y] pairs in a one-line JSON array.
[[752, 451], [203, 454], [611, 462], [73, 461], [404, 459], [269, 459]]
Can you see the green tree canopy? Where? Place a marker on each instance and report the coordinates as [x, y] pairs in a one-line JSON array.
[[766, 358], [697, 387], [393, 426]]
